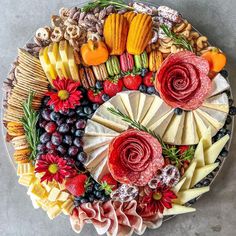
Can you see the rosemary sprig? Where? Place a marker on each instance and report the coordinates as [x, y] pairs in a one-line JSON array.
[[29, 121], [178, 39], [117, 4]]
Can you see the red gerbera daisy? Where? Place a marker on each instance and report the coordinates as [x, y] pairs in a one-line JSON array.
[[54, 168], [66, 95], [155, 201]]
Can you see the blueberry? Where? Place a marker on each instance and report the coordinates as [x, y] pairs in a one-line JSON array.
[[83, 90], [79, 109], [73, 151], [73, 130], [232, 111], [46, 100], [46, 114], [79, 133], [80, 124], [71, 113], [89, 189], [231, 102], [178, 111], [55, 116], [61, 149], [228, 132], [198, 185], [95, 106], [224, 73], [77, 203], [142, 88], [71, 120], [206, 182], [79, 165], [151, 90], [61, 121], [78, 198], [65, 113], [224, 153], [228, 120], [98, 194], [105, 97], [91, 198], [64, 128], [192, 201], [45, 137], [82, 157], [84, 200], [41, 147], [228, 93], [85, 102], [78, 142], [97, 186], [99, 85], [144, 72], [88, 110], [210, 176], [56, 138], [67, 140], [105, 198]]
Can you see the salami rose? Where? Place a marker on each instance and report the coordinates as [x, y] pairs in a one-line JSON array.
[[134, 157], [183, 81]]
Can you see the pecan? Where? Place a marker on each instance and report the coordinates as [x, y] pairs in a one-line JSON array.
[[102, 14]]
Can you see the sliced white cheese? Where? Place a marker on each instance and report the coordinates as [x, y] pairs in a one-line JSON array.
[[201, 124], [145, 102], [130, 100], [100, 170], [106, 118], [199, 155], [201, 173], [95, 129], [219, 102], [190, 135], [187, 195], [219, 85], [173, 133], [91, 143], [213, 152], [188, 174], [161, 125], [157, 102], [206, 139], [177, 210], [178, 186], [118, 104], [96, 156]]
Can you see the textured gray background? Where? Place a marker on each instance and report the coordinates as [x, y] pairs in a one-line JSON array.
[[216, 211]]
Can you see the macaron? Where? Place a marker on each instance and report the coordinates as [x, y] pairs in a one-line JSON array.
[[138, 61], [90, 77], [103, 71], [109, 67], [20, 142], [22, 156], [144, 58], [115, 64], [97, 73], [15, 129]]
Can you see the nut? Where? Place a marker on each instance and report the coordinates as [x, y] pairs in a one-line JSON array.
[[185, 33], [166, 45], [173, 49], [180, 27], [57, 35], [43, 34], [200, 41], [164, 50], [73, 31], [193, 35]]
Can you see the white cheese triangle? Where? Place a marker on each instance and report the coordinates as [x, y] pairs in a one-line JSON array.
[[95, 129], [188, 174], [178, 186], [177, 210], [118, 104], [213, 152], [206, 139], [199, 155], [190, 135], [200, 124], [201, 173], [92, 142], [219, 102], [219, 85], [173, 133], [100, 170], [187, 195]]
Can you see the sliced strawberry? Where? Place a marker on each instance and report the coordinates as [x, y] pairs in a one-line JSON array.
[[132, 82], [148, 79], [76, 185], [95, 96], [112, 87], [183, 149]]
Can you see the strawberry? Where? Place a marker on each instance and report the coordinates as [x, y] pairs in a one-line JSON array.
[[148, 79], [95, 96], [132, 82], [112, 87], [76, 185], [108, 183], [183, 149]]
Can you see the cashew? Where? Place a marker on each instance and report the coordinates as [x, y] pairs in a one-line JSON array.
[[166, 45], [43, 34], [200, 41], [179, 28], [189, 27], [185, 33], [164, 50], [166, 40], [173, 49], [194, 35]]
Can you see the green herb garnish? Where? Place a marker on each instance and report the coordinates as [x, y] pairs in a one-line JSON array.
[[178, 39], [117, 4], [29, 121]]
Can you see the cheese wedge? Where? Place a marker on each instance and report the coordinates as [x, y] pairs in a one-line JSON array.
[[178, 186], [219, 85], [174, 130], [199, 155], [95, 129], [177, 210], [60, 69], [26, 180], [100, 171], [213, 152], [219, 102], [72, 65], [63, 51], [54, 194], [53, 53], [91, 143], [188, 174], [206, 139], [117, 103], [201, 173], [53, 212], [188, 195]]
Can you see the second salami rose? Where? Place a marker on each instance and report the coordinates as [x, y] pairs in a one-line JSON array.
[[183, 81], [134, 157]]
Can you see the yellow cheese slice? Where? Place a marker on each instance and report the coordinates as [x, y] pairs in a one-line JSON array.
[[63, 196], [53, 212], [63, 51], [206, 138], [117, 103], [54, 194], [37, 191], [25, 169], [26, 180], [199, 155], [178, 186], [188, 174], [67, 207], [177, 210], [60, 69], [53, 53], [100, 170], [91, 143], [73, 67]]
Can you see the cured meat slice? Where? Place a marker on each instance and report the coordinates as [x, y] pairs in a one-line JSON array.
[[134, 157]]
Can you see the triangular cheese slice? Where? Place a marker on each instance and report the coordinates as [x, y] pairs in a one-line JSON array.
[[145, 102], [178, 186], [213, 152], [173, 133], [199, 155], [188, 195], [189, 174], [206, 139], [190, 135], [219, 102], [100, 170], [219, 85], [177, 210], [202, 172], [118, 104], [91, 143], [95, 129]]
